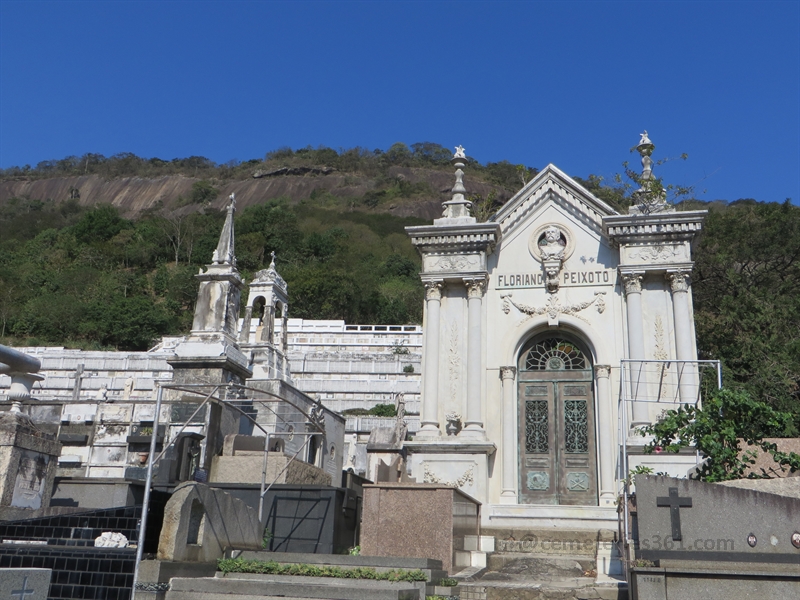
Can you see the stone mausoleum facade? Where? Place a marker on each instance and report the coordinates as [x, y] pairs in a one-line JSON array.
[[551, 332]]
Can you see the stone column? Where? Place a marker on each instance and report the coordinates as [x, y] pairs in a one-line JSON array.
[[285, 338], [473, 423], [244, 334], [509, 494], [605, 433], [268, 324], [632, 283], [430, 392], [684, 344]]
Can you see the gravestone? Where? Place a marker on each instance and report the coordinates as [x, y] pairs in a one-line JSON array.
[[705, 540], [27, 463], [24, 584]]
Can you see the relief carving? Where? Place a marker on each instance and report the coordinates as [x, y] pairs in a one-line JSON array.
[[679, 281], [661, 354], [454, 361], [657, 254], [632, 282], [433, 290], [508, 373], [553, 307], [468, 478], [475, 287], [454, 263]]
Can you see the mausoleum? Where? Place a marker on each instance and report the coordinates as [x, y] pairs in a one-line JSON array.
[[551, 332]]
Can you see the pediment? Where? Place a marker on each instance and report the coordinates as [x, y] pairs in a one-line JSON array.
[[552, 185]]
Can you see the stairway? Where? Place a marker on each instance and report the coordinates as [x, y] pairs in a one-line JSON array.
[[548, 565]]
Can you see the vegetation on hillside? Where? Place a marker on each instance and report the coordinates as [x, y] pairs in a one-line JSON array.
[[86, 277], [371, 163]]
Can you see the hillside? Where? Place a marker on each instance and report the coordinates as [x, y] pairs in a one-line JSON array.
[[402, 181], [102, 253]]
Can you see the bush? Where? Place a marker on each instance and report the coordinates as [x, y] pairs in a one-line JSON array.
[[239, 565], [383, 410]]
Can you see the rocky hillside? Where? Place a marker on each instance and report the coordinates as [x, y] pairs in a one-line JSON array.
[[404, 182]]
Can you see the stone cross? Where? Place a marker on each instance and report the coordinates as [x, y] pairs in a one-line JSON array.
[[675, 503], [25, 591]]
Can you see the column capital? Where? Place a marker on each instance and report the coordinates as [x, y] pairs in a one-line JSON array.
[[632, 283], [602, 371], [508, 373], [679, 281], [433, 290], [475, 287]]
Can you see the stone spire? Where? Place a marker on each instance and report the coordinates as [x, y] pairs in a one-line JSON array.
[[224, 253], [456, 210]]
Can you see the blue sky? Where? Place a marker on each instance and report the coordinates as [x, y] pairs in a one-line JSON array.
[[572, 83]]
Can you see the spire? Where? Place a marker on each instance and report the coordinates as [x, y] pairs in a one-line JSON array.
[[458, 206], [224, 254]]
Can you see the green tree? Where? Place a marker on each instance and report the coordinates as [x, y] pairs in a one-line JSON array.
[[727, 421], [747, 299]]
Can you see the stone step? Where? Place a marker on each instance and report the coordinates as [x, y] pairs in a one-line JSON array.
[[432, 568], [539, 568], [247, 586], [555, 541], [540, 591]]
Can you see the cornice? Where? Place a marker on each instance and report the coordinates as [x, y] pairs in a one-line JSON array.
[[474, 236], [673, 225]]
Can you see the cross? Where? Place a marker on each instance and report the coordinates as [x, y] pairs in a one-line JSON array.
[[24, 591], [675, 503]]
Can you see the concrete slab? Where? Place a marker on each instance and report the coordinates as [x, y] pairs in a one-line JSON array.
[[287, 586], [30, 584]]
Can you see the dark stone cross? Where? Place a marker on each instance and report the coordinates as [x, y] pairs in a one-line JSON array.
[[675, 503], [25, 591]]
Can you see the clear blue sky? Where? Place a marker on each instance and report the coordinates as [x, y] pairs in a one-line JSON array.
[[572, 83]]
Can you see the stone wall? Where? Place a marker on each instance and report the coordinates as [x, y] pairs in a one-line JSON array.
[[201, 522]]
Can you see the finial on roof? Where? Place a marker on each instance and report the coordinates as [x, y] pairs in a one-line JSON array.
[[645, 149], [458, 206], [651, 196], [272, 262]]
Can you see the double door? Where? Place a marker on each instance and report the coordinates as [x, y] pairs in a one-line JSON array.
[[557, 453]]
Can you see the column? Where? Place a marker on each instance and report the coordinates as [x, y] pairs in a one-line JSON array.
[[632, 283], [268, 324], [244, 334], [430, 392], [284, 339], [509, 457], [473, 423], [607, 458], [684, 344]]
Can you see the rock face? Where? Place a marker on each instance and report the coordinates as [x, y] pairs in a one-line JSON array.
[[133, 195]]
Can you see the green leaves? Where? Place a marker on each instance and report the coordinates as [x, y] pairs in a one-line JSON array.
[[727, 422]]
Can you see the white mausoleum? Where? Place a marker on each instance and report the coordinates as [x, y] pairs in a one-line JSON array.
[[531, 322]]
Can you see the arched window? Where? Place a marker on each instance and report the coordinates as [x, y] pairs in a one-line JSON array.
[[554, 354]]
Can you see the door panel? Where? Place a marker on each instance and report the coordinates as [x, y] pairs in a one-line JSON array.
[[557, 446]]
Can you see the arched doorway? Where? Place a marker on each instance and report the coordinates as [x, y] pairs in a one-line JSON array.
[[557, 456]]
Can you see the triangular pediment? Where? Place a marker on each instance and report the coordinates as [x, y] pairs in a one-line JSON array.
[[551, 185]]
